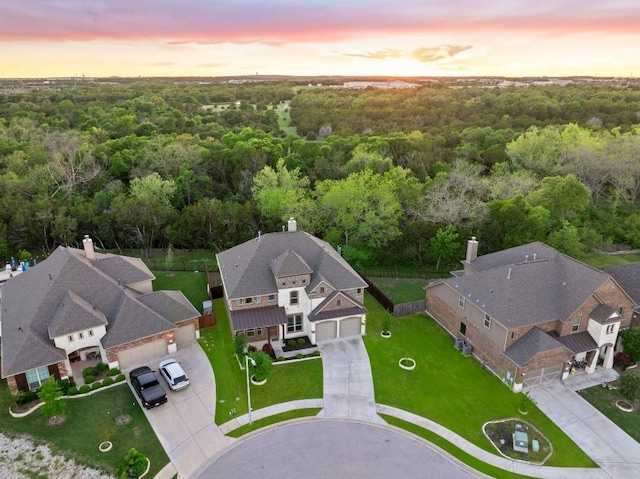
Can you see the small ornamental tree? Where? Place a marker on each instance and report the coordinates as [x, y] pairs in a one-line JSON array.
[[50, 393], [631, 343], [134, 463], [263, 367], [630, 385], [239, 344]]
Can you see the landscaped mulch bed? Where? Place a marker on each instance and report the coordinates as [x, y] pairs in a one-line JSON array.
[[306, 345]]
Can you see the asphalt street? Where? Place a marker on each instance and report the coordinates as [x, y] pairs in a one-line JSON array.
[[328, 448]]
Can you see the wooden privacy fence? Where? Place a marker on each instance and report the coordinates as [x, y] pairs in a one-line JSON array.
[[397, 310]]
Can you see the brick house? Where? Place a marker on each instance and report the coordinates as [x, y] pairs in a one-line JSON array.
[[291, 284], [531, 313], [79, 304]]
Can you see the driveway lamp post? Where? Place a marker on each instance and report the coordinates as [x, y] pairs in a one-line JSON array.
[[253, 363]]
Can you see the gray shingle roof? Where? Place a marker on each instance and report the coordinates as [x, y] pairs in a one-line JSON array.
[[531, 343], [526, 293], [350, 308], [628, 276], [74, 314], [289, 263], [535, 251], [123, 269], [172, 305], [604, 314], [246, 268], [38, 301]]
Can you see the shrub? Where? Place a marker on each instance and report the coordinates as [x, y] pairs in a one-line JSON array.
[[267, 348], [84, 389], [280, 358], [134, 462], [251, 349], [96, 385], [114, 371], [89, 379], [631, 343], [72, 391], [299, 356], [100, 368], [26, 397], [107, 382], [64, 384], [316, 353], [301, 341], [119, 378], [88, 371], [291, 343], [622, 360]]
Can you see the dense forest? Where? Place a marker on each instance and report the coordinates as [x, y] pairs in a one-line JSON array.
[[397, 176]]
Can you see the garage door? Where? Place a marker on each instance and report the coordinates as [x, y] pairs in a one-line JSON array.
[[142, 354], [542, 375], [185, 334], [350, 327], [326, 330]]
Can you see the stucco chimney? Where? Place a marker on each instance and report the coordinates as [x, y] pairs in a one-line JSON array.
[[472, 249], [88, 247], [292, 224]]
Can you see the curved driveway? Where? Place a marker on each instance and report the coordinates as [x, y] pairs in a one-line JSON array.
[[321, 448]]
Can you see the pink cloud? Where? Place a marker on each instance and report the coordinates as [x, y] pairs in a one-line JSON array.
[[283, 21]]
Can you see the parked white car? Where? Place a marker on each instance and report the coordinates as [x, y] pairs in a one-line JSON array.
[[173, 373]]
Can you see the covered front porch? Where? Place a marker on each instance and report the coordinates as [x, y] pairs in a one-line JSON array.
[[259, 325], [81, 359]]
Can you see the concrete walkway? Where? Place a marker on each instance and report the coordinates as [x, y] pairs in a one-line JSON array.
[[348, 382], [610, 447]]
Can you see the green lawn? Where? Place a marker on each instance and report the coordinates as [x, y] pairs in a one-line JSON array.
[[86, 421], [193, 285], [604, 400], [401, 290], [602, 261], [299, 380], [446, 387]]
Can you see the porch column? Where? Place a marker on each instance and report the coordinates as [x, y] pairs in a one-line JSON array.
[[608, 357], [591, 367]]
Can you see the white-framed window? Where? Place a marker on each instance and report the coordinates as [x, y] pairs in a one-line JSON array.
[[611, 328], [240, 301], [359, 290], [248, 300], [294, 323], [513, 334], [339, 302], [293, 297], [461, 301], [35, 377], [251, 333], [258, 331], [91, 333], [576, 324], [272, 297], [257, 299], [321, 289], [70, 338], [621, 310], [487, 321], [80, 335]]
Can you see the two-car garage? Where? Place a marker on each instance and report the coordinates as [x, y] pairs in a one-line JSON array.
[[333, 329]]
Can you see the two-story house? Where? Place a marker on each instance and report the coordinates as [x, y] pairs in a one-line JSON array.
[[79, 304], [531, 313], [291, 284]]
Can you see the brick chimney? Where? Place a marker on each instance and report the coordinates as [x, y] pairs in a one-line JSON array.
[[292, 224], [89, 252], [472, 249]]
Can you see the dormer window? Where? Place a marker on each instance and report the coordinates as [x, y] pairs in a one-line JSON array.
[[321, 289], [90, 332], [80, 335], [339, 302], [70, 338], [359, 290], [293, 298], [249, 300], [240, 302]]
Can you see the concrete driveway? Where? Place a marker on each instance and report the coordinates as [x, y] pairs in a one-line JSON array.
[[348, 383], [610, 447], [185, 425]]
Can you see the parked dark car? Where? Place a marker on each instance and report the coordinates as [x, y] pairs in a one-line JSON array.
[[147, 387]]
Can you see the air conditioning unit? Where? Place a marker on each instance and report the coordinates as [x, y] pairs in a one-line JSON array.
[[467, 349], [459, 343]]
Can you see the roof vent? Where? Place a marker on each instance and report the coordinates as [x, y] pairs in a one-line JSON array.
[[509, 274], [534, 256], [50, 277], [526, 258]]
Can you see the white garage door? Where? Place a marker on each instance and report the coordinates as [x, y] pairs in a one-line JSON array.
[[185, 334], [326, 330], [350, 327], [143, 353]]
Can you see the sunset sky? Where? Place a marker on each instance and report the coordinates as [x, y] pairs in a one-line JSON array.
[[97, 38]]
